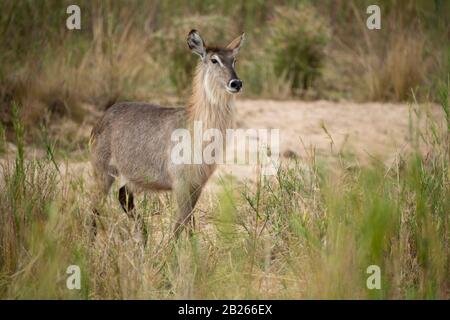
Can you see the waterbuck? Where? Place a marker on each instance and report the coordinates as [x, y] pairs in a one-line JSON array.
[[132, 141]]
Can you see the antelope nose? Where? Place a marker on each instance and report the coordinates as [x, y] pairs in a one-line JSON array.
[[235, 84]]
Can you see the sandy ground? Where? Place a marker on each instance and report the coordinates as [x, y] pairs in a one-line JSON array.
[[366, 130], [372, 128]]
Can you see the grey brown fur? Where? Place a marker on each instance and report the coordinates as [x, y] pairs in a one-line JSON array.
[[132, 141]]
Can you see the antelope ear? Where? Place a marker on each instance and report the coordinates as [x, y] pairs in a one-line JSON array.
[[236, 44], [196, 43]]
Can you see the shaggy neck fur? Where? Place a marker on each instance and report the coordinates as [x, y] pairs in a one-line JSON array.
[[209, 102]]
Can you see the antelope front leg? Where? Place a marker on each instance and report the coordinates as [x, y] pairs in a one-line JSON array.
[[186, 198]]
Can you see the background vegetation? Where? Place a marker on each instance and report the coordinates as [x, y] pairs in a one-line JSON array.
[[137, 50]]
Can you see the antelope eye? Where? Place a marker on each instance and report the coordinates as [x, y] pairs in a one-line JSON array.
[[214, 61]]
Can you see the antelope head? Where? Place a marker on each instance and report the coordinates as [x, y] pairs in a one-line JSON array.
[[217, 64]]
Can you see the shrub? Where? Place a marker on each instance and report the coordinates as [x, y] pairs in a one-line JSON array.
[[296, 46]]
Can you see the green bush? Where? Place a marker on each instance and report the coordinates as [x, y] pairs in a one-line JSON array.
[[296, 46]]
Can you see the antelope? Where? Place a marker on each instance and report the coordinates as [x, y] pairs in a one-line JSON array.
[[132, 144]]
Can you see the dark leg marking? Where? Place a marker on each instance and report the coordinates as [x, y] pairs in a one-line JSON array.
[[96, 214], [126, 200]]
